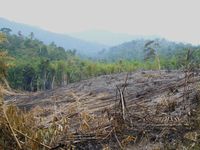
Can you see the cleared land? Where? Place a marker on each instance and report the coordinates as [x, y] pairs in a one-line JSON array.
[[136, 110]]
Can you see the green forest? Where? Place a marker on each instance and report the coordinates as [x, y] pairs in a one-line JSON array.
[[35, 66]]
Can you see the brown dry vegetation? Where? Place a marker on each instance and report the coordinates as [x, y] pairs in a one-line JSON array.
[[142, 110]]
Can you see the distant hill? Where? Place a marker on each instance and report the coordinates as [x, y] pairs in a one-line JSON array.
[[66, 41], [98, 43], [107, 37], [135, 49]]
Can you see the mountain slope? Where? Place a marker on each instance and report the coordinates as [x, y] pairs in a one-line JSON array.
[[108, 38], [135, 49], [68, 42]]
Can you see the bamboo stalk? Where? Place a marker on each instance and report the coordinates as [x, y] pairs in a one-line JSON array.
[[14, 135], [120, 145], [32, 139]]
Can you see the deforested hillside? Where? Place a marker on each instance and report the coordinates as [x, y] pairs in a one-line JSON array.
[[154, 109]]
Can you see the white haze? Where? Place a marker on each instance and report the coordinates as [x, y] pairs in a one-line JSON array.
[[173, 19]]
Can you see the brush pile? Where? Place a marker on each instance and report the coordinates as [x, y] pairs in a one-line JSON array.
[[146, 109]]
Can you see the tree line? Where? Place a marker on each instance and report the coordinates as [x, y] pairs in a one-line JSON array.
[[35, 66]]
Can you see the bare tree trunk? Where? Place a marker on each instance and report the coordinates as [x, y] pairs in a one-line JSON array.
[[158, 61], [38, 88], [52, 83], [64, 79], [44, 81]]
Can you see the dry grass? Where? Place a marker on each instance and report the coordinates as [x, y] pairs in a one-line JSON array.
[[19, 129], [23, 130], [114, 128]]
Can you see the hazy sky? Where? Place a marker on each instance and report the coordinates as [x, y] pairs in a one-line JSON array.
[[173, 19]]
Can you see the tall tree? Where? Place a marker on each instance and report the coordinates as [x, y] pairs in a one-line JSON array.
[[150, 49], [31, 35], [6, 30]]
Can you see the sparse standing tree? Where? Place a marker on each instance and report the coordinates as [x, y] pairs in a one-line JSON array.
[[151, 52], [31, 35]]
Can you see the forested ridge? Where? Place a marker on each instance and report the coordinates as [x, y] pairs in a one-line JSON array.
[[68, 42], [36, 66], [134, 49]]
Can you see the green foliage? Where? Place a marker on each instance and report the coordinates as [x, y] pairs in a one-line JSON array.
[[40, 67], [4, 62], [135, 50]]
